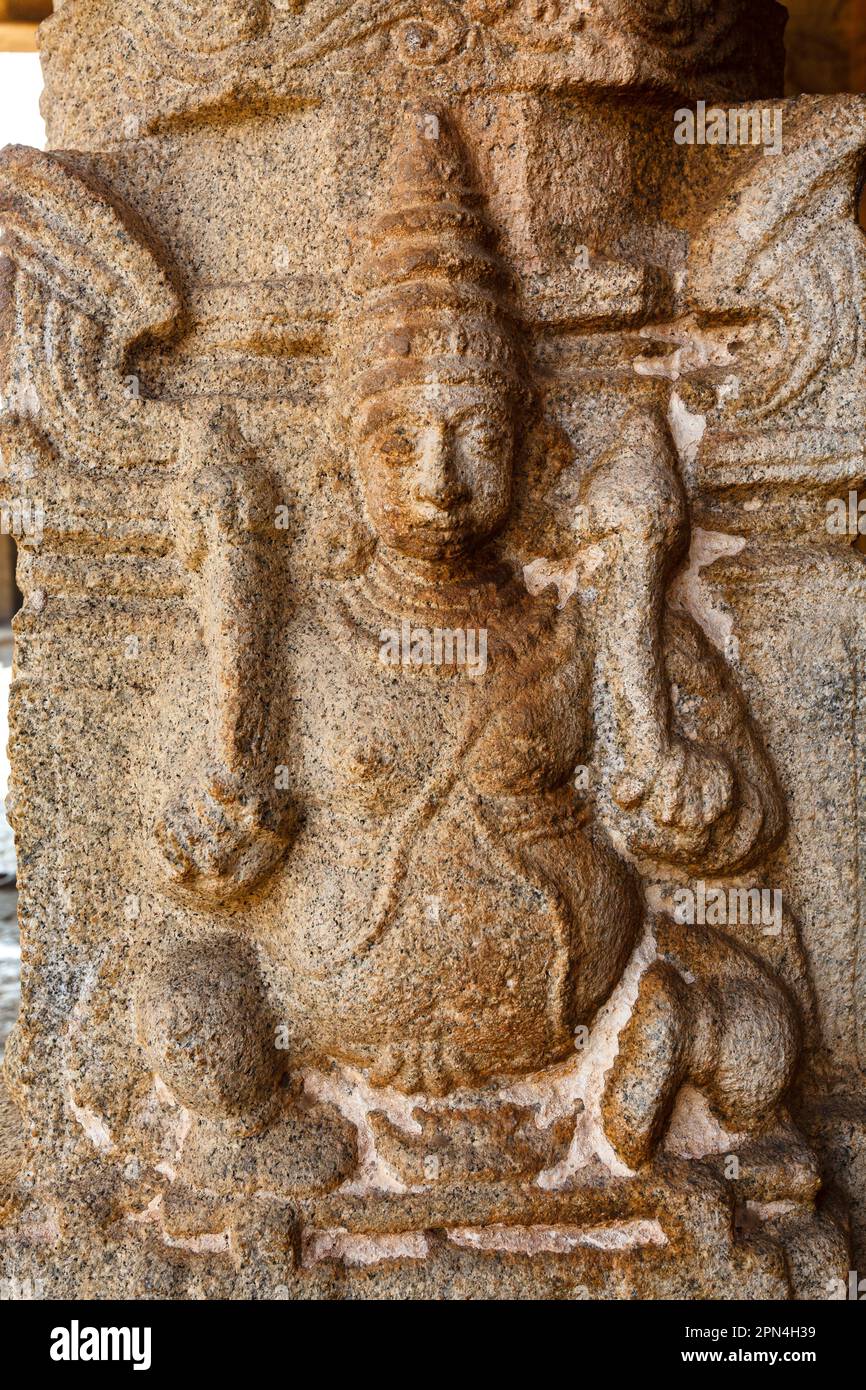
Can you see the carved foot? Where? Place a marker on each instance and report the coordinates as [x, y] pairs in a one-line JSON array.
[[433, 1068], [709, 1014], [307, 1149]]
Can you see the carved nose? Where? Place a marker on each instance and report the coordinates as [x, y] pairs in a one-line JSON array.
[[438, 483]]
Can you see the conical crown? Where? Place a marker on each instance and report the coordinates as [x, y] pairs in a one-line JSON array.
[[434, 296]]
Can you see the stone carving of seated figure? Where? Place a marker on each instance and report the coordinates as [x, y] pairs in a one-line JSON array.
[[443, 906]]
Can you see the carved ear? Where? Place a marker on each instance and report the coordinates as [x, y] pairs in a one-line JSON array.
[[784, 250], [342, 544], [91, 281], [544, 455]]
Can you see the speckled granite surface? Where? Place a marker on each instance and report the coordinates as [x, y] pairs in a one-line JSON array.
[[437, 704]]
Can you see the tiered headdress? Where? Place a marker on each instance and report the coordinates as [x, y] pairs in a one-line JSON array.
[[433, 294]]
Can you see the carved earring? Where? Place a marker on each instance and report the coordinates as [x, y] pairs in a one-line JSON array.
[[342, 543]]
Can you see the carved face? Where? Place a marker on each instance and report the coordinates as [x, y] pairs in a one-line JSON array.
[[435, 463]]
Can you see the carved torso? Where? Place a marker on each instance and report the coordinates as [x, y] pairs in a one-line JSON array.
[[444, 851]]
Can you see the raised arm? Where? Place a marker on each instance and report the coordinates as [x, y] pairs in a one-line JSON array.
[[688, 781], [230, 825]]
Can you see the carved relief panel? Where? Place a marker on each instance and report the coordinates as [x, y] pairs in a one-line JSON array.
[[417, 891]]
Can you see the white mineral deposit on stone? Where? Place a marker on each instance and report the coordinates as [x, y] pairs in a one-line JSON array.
[[577, 1086], [93, 1125], [687, 428], [691, 592], [541, 573], [363, 1250], [560, 1240], [694, 1130], [209, 1242], [348, 1090]]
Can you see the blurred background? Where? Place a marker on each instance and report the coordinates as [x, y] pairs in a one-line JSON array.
[[826, 43], [826, 53]]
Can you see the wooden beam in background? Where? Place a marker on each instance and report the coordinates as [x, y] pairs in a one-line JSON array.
[[28, 11], [17, 38]]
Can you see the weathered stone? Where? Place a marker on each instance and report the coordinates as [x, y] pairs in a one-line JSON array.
[[437, 707], [465, 1144], [309, 1148]]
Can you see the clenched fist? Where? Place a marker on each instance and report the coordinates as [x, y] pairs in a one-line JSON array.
[[218, 841], [680, 799]]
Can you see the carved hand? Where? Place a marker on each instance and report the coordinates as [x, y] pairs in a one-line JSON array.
[[679, 801], [219, 840]]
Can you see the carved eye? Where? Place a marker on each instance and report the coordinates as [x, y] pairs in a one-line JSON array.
[[396, 446], [483, 435]]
